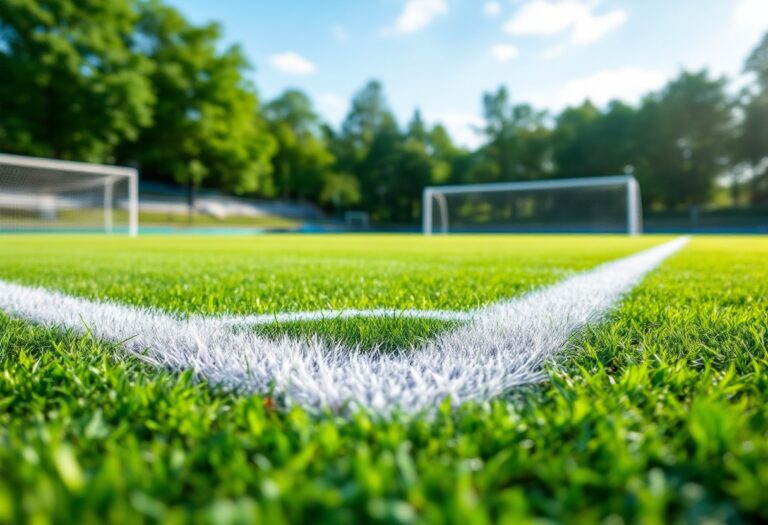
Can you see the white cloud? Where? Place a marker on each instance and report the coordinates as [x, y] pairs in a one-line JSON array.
[[553, 52], [492, 8], [292, 63], [418, 14], [628, 84], [751, 16], [332, 106], [339, 33], [593, 28], [461, 126], [542, 17], [504, 52], [577, 18]]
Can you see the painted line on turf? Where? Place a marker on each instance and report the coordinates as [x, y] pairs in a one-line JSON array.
[[503, 346], [334, 315]]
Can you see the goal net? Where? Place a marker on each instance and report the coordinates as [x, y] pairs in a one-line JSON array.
[[594, 204], [357, 220], [47, 195]]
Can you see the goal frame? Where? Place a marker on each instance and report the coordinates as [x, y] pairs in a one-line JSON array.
[[437, 194], [106, 173], [363, 216]]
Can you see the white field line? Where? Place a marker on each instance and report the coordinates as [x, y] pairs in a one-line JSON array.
[[503, 346], [325, 315]]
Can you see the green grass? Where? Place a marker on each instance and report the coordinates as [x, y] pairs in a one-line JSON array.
[[658, 415], [383, 333], [148, 218], [271, 274], [94, 218], [268, 274]]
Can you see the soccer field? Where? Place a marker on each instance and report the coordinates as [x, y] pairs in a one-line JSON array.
[[132, 387]]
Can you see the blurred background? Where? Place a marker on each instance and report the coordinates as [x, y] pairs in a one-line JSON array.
[[300, 114]]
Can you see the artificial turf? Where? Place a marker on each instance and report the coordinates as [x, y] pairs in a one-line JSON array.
[[217, 275], [279, 273], [93, 220], [657, 415]]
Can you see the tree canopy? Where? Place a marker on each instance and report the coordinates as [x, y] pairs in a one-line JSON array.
[[303, 160], [71, 85], [134, 81], [206, 120]]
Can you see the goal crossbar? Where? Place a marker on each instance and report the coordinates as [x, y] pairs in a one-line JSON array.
[[103, 175], [437, 193], [65, 165]]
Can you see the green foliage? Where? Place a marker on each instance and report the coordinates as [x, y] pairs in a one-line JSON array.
[[372, 133], [421, 159], [757, 62], [71, 85], [392, 166], [340, 190], [685, 133], [207, 124], [302, 163], [752, 142], [753, 145], [657, 415], [591, 143], [134, 82], [368, 116], [676, 143], [517, 145], [445, 154]]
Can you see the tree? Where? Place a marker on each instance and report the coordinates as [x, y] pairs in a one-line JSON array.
[[302, 161], [517, 146], [378, 169], [340, 190], [684, 133], [445, 154], [425, 157], [588, 142], [367, 147], [757, 63], [368, 115], [207, 123], [415, 165], [752, 141], [71, 86], [753, 145]]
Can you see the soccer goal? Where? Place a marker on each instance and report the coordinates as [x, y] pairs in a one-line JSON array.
[[593, 204], [39, 194], [357, 220]]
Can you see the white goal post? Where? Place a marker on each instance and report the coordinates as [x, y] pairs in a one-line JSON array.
[[600, 204], [39, 194]]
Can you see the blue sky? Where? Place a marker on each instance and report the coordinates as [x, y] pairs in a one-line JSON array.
[[441, 55]]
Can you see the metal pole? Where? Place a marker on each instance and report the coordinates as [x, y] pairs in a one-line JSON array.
[[442, 205], [583, 182], [426, 212], [639, 205], [133, 204], [108, 187], [634, 226]]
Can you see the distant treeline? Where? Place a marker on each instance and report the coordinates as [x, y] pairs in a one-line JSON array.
[[134, 82]]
